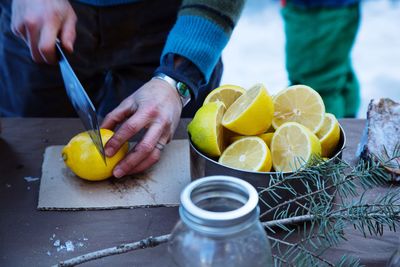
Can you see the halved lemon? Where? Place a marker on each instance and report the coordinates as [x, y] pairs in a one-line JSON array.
[[251, 113], [299, 103], [293, 147], [226, 93], [267, 137], [234, 138], [329, 135], [248, 153], [206, 131]]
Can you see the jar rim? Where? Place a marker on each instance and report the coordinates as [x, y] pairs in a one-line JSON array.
[[248, 207]]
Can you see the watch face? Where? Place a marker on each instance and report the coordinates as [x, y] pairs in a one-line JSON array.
[[183, 89], [184, 93]]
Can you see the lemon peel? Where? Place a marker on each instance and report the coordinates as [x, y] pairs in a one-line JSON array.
[[83, 158], [206, 131]]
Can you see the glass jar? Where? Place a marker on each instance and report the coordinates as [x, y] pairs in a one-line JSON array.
[[219, 226]]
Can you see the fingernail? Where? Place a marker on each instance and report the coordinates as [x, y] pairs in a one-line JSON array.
[[109, 151], [118, 173]]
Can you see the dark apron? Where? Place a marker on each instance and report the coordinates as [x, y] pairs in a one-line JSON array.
[[116, 51]]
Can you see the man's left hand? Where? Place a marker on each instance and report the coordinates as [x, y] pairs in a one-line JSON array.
[[155, 106]]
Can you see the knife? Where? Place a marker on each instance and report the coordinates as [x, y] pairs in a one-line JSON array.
[[80, 101]]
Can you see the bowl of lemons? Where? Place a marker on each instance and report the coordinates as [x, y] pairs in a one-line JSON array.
[[249, 134]]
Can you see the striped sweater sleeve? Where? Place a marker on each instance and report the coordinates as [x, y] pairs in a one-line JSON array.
[[202, 30]]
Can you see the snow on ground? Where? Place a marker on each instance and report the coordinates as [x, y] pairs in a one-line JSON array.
[[256, 50]]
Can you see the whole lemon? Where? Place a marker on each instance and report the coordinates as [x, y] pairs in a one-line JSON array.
[[83, 158]]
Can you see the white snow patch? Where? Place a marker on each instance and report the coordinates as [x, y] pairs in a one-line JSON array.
[[256, 52], [57, 243], [69, 245]]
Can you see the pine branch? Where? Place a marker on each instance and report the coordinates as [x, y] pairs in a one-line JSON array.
[[297, 246], [368, 175]]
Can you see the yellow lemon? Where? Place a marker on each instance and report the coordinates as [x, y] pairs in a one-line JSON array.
[[206, 131], [251, 113], [293, 146], [83, 158], [234, 138], [299, 103], [267, 137], [227, 93], [329, 135], [248, 153]]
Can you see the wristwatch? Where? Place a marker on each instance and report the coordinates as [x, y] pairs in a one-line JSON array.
[[181, 88]]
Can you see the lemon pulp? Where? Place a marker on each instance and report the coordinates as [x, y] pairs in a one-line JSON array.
[[227, 94], [248, 153], [299, 103], [293, 146]]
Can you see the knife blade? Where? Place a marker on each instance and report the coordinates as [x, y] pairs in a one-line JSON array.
[[80, 101]]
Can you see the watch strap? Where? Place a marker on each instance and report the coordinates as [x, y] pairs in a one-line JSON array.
[[185, 72], [182, 89]]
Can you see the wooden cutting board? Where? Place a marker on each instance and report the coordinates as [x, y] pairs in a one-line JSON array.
[[60, 189]]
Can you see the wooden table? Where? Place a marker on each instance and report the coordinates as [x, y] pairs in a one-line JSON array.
[[27, 235]]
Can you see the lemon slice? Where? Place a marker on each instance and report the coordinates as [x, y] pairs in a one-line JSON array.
[[227, 93], [206, 131], [251, 113], [299, 103], [293, 146], [249, 153], [329, 135]]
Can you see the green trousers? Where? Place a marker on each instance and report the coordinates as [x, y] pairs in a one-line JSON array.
[[318, 46]]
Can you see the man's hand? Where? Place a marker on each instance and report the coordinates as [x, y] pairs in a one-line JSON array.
[[40, 22], [155, 106]]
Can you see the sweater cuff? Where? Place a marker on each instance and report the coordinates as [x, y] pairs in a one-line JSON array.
[[186, 72], [199, 40]]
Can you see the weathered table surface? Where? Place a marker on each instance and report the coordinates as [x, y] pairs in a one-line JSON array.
[[27, 235]]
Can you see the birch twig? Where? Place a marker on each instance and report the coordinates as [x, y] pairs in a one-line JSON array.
[[142, 244]]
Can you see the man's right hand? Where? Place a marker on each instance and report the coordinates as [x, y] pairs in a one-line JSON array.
[[40, 22]]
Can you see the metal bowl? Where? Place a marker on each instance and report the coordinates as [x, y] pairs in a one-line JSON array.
[[202, 165]]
